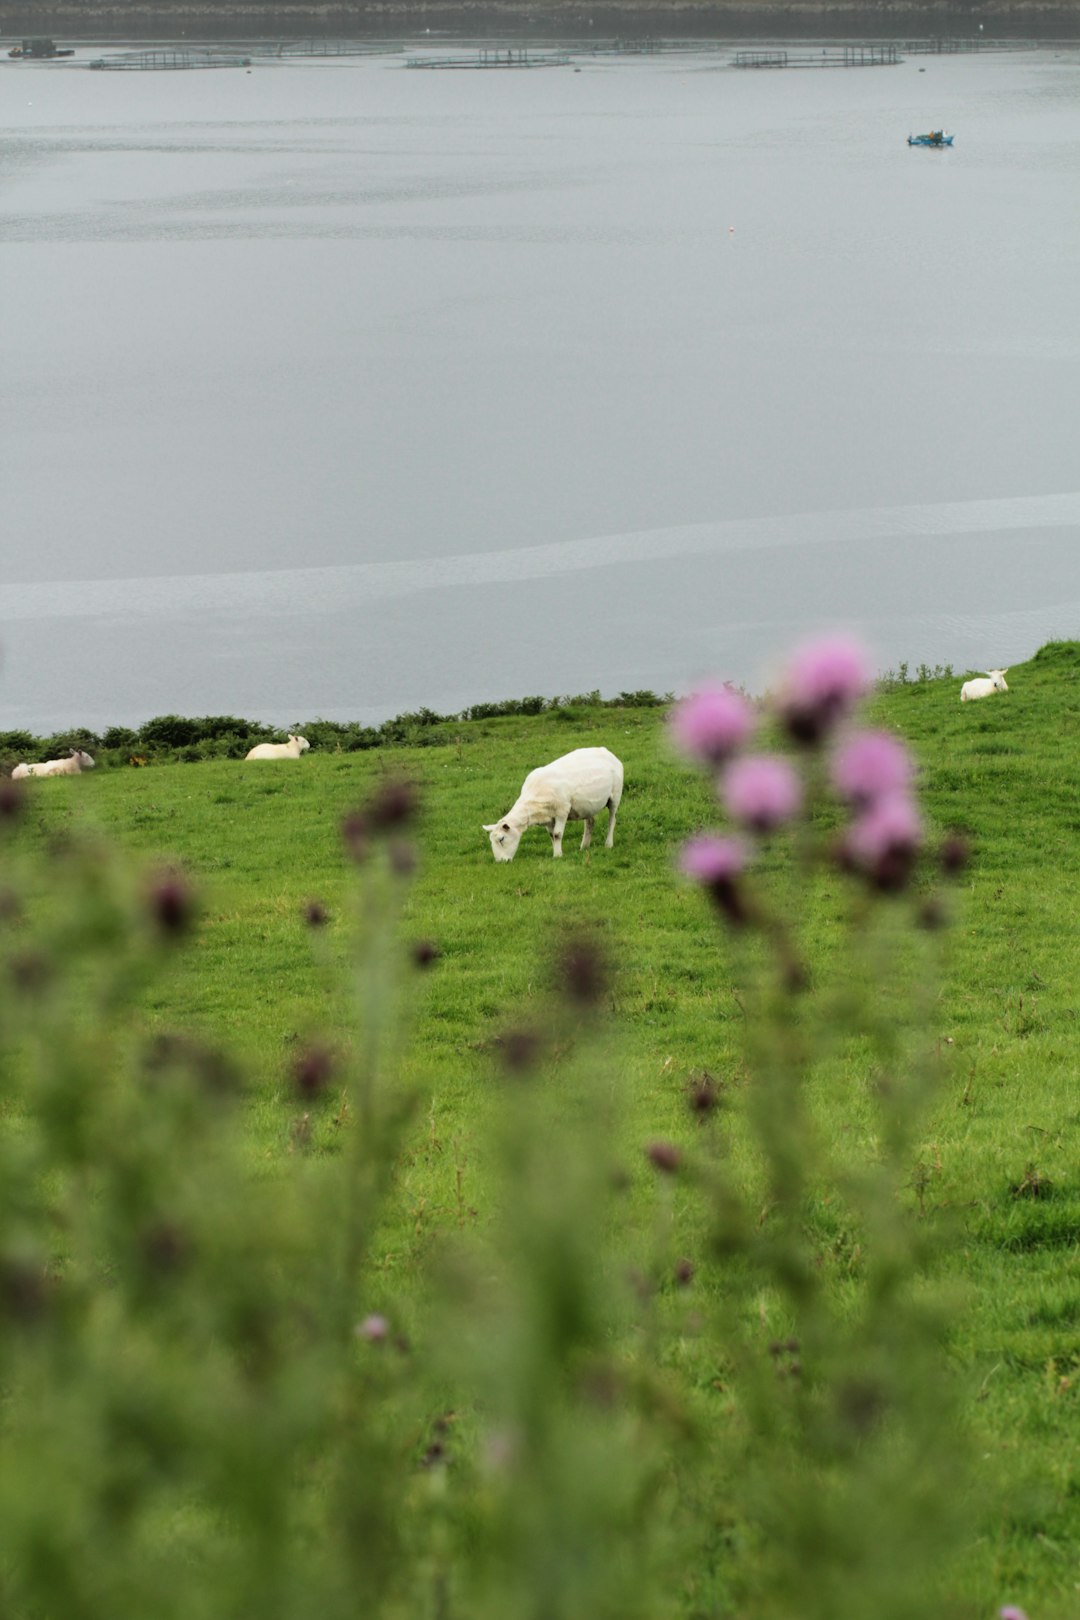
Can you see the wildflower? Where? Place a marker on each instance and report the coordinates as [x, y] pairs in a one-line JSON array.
[[955, 854], [870, 766], [172, 903], [519, 1049], [884, 841], [393, 805], [316, 914], [12, 800], [312, 1069], [762, 791], [425, 952], [374, 1328], [357, 835], [712, 724], [704, 1095], [583, 972], [684, 1273], [1011, 1612], [824, 681], [664, 1156], [717, 864]]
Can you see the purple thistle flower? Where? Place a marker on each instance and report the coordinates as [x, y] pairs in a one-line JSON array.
[[869, 766], [884, 841], [710, 860], [375, 1328], [762, 791], [824, 681], [717, 864], [1011, 1612], [712, 724]]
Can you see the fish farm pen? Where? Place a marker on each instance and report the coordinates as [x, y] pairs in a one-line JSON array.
[[827, 57], [494, 57], [165, 61]]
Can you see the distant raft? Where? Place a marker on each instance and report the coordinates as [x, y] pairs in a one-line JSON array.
[[936, 137]]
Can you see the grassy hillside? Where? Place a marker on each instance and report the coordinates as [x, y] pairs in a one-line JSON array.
[[994, 1168]]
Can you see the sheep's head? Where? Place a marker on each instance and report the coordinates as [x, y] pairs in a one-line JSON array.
[[301, 742], [504, 839], [998, 678], [85, 761]]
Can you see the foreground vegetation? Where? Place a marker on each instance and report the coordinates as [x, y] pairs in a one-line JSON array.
[[554, 1194]]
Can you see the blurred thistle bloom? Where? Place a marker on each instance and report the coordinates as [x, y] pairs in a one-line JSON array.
[[311, 1070], [374, 1328], [1011, 1612], [357, 835], [717, 864], [871, 765], [425, 952], [12, 799], [393, 804], [884, 841], [710, 860], [583, 972], [823, 682], [955, 854], [762, 791], [172, 903], [664, 1156], [712, 724], [316, 914]]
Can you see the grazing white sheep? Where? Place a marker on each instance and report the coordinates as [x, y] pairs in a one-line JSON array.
[[73, 765], [575, 787], [286, 750], [984, 686]]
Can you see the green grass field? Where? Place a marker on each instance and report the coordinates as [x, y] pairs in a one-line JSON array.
[[996, 1163]]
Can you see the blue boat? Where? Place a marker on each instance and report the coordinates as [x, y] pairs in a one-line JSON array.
[[936, 137]]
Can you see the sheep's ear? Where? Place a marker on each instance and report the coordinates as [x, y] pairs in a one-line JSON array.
[[489, 826]]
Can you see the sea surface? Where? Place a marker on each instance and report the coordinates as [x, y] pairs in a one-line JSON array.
[[341, 388]]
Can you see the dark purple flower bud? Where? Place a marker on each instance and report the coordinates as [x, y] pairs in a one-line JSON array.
[[704, 1095], [393, 805], [520, 1049], [955, 855], [316, 914], [712, 724], [931, 914], [583, 972], [12, 800], [664, 1156], [357, 835], [425, 952], [172, 903], [311, 1071], [166, 1247], [684, 1273]]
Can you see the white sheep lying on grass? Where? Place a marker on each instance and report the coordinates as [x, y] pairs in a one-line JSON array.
[[74, 765], [984, 685], [575, 787], [286, 750]]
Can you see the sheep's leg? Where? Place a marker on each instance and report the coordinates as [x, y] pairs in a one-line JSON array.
[[557, 830], [586, 837], [610, 839]]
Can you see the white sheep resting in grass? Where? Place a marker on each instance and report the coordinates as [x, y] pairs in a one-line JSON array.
[[984, 686], [286, 750], [74, 765], [575, 787]]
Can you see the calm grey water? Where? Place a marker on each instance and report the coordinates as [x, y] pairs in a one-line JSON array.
[[338, 388]]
